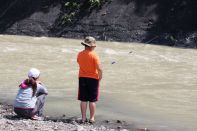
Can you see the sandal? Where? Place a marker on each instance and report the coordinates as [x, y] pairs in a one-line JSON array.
[[83, 122], [37, 118], [91, 121]]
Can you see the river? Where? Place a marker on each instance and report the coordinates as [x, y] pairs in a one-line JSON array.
[[153, 86]]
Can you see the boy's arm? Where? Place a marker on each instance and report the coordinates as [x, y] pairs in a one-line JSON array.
[[100, 71]]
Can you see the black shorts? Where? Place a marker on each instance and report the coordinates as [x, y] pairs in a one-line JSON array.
[[88, 89]]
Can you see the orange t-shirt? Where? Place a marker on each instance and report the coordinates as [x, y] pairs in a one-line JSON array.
[[88, 60]]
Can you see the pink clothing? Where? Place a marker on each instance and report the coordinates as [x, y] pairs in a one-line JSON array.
[[23, 85]]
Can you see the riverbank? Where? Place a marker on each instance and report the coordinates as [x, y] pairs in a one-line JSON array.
[[10, 121], [158, 22]]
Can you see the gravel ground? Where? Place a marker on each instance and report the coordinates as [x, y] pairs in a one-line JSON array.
[[9, 121]]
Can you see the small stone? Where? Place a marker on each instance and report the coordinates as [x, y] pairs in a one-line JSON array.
[[103, 13], [73, 122], [119, 127], [9, 122], [55, 128], [106, 121], [113, 62], [80, 128], [119, 121], [103, 128], [25, 123]]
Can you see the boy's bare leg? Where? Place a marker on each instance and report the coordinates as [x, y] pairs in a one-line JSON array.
[[92, 106], [83, 106]]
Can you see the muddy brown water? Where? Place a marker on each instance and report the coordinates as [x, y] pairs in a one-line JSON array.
[[154, 86]]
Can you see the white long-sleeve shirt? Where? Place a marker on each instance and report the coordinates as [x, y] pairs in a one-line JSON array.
[[24, 98]]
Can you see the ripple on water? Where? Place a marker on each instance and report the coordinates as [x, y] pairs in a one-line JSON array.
[[66, 50], [9, 49], [110, 52], [119, 52], [40, 38]]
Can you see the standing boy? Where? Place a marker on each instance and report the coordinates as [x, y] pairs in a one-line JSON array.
[[90, 73]]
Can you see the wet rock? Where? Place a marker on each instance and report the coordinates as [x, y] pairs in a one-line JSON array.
[[106, 121], [119, 121]]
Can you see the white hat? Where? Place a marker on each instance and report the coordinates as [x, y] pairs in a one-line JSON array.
[[33, 72]]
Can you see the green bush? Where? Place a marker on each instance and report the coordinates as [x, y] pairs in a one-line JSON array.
[[72, 8], [67, 18], [71, 5], [94, 3]]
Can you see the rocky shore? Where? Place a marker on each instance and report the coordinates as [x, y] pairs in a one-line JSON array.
[[9, 121]]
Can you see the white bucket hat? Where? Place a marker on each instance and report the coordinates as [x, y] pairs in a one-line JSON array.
[[33, 73]]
